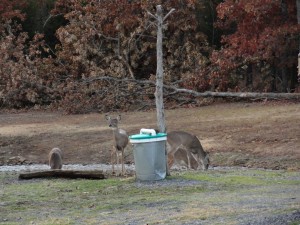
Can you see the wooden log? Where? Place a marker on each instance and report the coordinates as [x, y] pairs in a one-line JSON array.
[[176, 90], [71, 174]]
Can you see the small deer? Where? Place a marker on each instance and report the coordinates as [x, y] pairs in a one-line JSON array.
[[55, 159], [120, 141], [186, 148]]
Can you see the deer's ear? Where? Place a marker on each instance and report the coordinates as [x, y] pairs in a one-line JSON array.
[[107, 117], [119, 117]]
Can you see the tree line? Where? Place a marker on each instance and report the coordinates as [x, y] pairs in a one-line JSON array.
[[83, 56]]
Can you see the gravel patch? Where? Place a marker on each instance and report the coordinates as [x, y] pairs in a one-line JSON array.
[[283, 219], [37, 167]]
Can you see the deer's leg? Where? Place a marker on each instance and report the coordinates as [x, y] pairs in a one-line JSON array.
[[194, 161], [198, 157], [112, 158], [188, 155], [122, 162], [169, 159], [117, 154]]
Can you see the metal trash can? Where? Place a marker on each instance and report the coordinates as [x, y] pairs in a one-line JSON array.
[[149, 154]]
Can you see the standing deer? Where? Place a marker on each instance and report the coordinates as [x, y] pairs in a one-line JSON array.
[[121, 141], [55, 159], [186, 148]]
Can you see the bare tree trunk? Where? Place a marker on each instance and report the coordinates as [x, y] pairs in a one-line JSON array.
[[284, 84], [283, 58], [249, 78], [298, 18], [298, 11], [299, 65], [159, 100], [274, 76]]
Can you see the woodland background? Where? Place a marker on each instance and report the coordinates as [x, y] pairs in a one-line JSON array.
[[84, 56]]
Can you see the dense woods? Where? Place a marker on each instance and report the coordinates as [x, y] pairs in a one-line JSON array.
[[83, 56]]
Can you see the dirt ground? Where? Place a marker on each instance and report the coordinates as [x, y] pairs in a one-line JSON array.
[[261, 135]]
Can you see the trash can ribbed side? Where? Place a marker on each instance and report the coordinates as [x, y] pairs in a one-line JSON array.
[[149, 156], [150, 160]]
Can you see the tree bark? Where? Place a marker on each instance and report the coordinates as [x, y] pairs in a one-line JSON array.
[[299, 66], [249, 78], [298, 11], [284, 84], [73, 174], [298, 18], [159, 100]]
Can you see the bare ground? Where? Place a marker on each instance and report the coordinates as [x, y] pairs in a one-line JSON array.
[[259, 135]]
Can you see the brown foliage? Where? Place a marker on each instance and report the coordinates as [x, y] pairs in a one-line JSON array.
[[118, 39], [106, 56], [259, 47]]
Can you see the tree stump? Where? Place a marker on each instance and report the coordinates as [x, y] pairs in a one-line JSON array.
[[71, 174]]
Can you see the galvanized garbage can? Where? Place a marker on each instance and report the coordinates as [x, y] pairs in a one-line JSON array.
[[149, 154]]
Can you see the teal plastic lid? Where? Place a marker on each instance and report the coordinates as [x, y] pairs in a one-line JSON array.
[[147, 135]]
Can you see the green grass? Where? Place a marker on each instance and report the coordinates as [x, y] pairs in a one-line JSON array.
[[214, 194], [295, 222], [249, 177]]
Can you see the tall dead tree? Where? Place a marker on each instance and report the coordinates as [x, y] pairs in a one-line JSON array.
[[159, 101], [298, 18]]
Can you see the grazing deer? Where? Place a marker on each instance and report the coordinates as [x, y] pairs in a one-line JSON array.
[[121, 141], [55, 159], [186, 148]]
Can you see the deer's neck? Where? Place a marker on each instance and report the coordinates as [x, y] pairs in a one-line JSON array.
[[119, 132]]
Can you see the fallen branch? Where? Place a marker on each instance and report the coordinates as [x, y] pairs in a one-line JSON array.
[[244, 95], [72, 174], [176, 90]]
